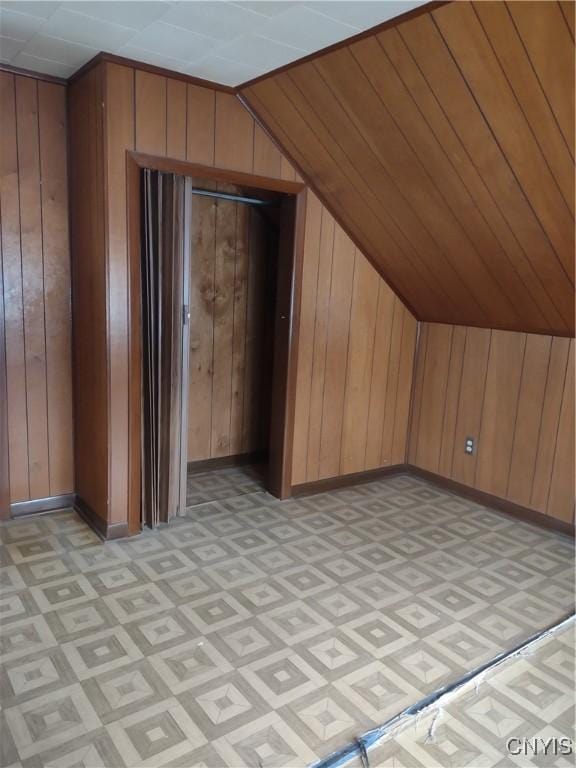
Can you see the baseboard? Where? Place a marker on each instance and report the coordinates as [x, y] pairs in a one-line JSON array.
[[223, 462], [343, 481], [106, 531], [488, 500], [39, 506]]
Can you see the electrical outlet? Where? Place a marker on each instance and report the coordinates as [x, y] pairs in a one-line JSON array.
[[469, 445]]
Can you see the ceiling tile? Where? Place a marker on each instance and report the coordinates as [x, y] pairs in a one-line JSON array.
[[260, 52], [73, 26], [18, 26], [9, 48], [149, 57], [54, 49], [123, 12], [36, 64], [266, 7], [219, 20], [41, 9], [363, 13], [172, 41], [223, 71], [302, 28]]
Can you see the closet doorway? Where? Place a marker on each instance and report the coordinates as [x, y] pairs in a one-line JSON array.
[[219, 422]]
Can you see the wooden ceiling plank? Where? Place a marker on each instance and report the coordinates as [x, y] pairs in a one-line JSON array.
[[511, 54], [472, 53], [358, 174], [435, 160], [372, 121], [433, 58], [546, 315], [568, 8], [327, 191], [546, 35]]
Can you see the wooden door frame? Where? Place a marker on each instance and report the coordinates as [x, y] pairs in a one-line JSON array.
[[286, 335]]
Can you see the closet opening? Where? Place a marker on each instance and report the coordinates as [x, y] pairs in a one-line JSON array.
[[216, 262]]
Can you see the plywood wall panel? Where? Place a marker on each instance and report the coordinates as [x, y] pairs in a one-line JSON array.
[[57, 309], [13, 293], [33, 284], [234, 135], [89, 290], [561, 498], [176, 128], [150, 112], [556, 379], [444, 146], [267, 157], [201, 109], [513, 393], [528, 418], [36, 287], [338, 335]]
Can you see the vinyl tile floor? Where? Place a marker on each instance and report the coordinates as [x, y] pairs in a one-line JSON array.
[[254, 632], [520, 714]]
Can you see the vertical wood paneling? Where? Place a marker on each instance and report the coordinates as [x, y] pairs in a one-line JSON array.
[[320, 338], [555, 383], [561, 498], [514, 394], [528, 418], [176, 119], [33, 284], [150, 109], [202, 256], [201, 111], [57, 310], [267, 157], [359, 369], [436, 367], [224, 268], [336, 353], [451, 400], [499, 412], [234, 135], [36, 287], [380, 366], [239, 312], [90, 292], [392, 383], [404, 391], [120, 129], [306, 336], [13, 292]]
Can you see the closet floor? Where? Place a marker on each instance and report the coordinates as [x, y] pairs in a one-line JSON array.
[[254, 632]]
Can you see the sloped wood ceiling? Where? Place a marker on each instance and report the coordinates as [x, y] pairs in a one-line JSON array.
[[445, 146]]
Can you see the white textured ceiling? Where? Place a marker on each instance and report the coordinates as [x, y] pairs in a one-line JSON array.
[[226, 42]]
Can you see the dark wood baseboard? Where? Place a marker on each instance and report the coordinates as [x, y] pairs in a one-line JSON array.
[[488, 500], [39, 506], [224, 462], [343, 481], [106, 531]]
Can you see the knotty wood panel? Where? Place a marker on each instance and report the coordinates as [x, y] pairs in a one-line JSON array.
[[445, 148], [514, 394], [36, 321], [149, 113]]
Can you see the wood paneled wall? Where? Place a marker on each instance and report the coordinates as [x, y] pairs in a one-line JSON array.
[[35, 307], [445, 146], [514, 394], [229, 326], [166, 117], [355, 360]]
